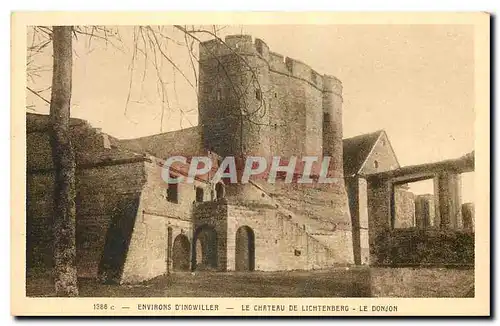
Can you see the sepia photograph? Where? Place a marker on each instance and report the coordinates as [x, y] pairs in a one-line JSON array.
[[320, 161]]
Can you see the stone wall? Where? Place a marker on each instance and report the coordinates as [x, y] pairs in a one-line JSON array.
[[468, 216], [422, 282], [288, 112], [280, 244], [184, 142], [102, 193], [404, 208], [425, 211], [358, 205], [411, 246], [149, 254], [212, 217]]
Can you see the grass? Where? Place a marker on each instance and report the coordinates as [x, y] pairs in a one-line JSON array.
[[322, 283], [336, 282]]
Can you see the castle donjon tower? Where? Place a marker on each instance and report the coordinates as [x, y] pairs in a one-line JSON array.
[[256, 102]]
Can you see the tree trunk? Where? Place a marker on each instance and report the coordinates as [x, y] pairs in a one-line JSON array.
[[63, 158]]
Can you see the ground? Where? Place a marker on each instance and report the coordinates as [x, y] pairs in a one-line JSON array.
[[338, 282], [324, 283]]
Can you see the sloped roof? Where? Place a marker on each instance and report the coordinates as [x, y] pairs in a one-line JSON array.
[[88, 143], [185, 142], [357, 149], [40, 122]]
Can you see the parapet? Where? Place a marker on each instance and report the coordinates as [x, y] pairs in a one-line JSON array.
[[233, 44], [243, 45], [332, 84], [294, 68]]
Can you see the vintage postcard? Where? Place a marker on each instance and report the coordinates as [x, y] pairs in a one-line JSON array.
[[250, 164]]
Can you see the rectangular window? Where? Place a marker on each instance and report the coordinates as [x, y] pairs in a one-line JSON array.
[[258, 94], [199, 194], [219, 95], [173, 192]]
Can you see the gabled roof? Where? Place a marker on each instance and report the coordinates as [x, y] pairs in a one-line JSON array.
[[357, 149]]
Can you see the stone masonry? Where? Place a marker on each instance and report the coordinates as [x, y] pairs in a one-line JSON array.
[[133, 226]]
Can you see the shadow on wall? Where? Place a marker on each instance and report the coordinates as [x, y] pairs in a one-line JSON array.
[[118, 238], [408, 247], [205, 244]]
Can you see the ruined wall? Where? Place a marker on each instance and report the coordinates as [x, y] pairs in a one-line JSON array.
[[358, 205], [447, 186], [411, 246], [379, 214], [185, 142], [404, 208], [103, 195], [468, 216], [425, 211]]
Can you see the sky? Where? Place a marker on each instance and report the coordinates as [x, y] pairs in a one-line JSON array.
[[414, 81]]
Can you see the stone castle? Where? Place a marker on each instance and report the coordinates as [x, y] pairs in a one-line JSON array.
[[132, 226]]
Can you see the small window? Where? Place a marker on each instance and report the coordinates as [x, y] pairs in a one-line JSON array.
[[383, 142], [297, 252], [219, 95], [275, 95], [375, 164], [172, 192], [326, 117], [219, 190], [258, 94], [313, 77], [199, 194]]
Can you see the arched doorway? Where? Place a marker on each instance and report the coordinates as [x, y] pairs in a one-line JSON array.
[[180, 254], [205, 248], [245, 249]]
